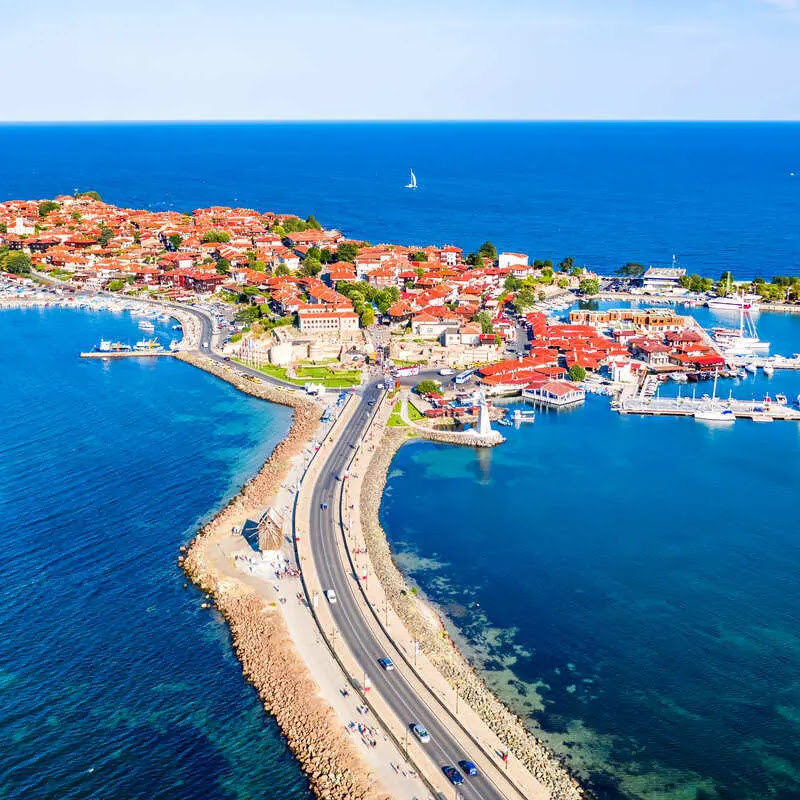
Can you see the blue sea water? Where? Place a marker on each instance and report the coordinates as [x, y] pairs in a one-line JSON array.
[[629, 584], [718, 195], [113, 681]]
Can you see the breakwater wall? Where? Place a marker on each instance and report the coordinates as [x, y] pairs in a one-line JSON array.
[[439, 647], [260, 639]]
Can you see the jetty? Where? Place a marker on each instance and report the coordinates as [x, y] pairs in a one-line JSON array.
[[127, 354], [758, 410]]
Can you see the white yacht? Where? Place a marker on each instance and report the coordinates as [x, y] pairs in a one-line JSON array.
[[711, 412], [743, 341], [413, 182]]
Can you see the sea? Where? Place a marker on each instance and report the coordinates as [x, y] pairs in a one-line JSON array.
[[628, 584], [114, 682]]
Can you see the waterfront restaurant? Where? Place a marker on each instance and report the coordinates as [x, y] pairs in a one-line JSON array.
[[555, 393]]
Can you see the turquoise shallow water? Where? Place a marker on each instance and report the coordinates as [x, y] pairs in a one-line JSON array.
[[628, 583], [113, 681]]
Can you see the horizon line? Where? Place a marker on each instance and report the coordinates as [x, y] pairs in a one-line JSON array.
[[398, 120]]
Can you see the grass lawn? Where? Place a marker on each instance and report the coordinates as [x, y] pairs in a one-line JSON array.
[[323, 375], [414, 413]]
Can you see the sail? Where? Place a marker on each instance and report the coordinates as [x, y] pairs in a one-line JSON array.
[[413, 183]]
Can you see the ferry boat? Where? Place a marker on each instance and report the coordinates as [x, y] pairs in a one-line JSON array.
[[107, 346], [148, 346], [734, 302]]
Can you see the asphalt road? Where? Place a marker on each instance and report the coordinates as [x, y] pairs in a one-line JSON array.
[[353, 628]]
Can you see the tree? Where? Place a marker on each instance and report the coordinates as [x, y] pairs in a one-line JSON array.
[[488, 250], [311, 221], [223, 266], [15, 261], [3, 227], [106, 234], [367, 317], [326, 256], [577, 373], [77, 217], [633, 269], [347, 251], [512, 283], [115, 286], [385, 298], [282, 269], [563, 283], [474, 260], [175, 240], [314, 252], [428, 387], [91, 194], [137, 237], [485, 320], [567, 264], [419, 255], [216, 236], [46, 206], [589, 286], [311, 267], [542, 296], [525, 299]]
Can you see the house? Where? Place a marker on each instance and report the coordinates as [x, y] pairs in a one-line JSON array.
[[326, 319], [555, 393], [505, 260]]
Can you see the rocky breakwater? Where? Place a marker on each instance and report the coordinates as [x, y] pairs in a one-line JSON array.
[[263, 645], [424, 626]]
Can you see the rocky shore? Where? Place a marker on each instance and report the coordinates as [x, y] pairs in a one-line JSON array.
[[437, 645], [261, 641]]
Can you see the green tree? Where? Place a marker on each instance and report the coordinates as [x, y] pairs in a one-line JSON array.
[[311, 266], [216, 236], [566, 264], [282, 269], [314, 252], [77, 216], [223, 266], [577, 373], [512, 283], [367, 317], [3, 227], [137, 237], [92, 194], [385, 298], [106, 234], [46, 206], [633, 269], [524, 300], [175, 240], [116, 285], [428, 387], [347, 251], [15, 261], [563, 283], [326, 256], [488, 250], [589, 286], [311, 222], [419, 255], [475, 260], [485, 320], [542, 296]]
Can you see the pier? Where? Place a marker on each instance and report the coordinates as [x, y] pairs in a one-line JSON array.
[[759, 410], [127, 354]]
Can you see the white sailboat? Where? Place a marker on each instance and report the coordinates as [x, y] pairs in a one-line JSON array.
[[712, 410], [413, 184], [744, 341]]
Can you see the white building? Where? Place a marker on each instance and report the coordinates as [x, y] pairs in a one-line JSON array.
[[327, 320], [659, 279], [555, 393], [511, 260]]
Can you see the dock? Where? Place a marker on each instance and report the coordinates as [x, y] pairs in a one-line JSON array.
[[128, 354], [759, 410]]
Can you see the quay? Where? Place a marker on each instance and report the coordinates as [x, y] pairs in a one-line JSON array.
[[127, 354], [759, 410]]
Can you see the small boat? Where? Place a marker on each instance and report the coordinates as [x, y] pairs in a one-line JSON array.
[[768, 369], [761, 416], [713, 413], [176, 327], [523, 416], [505, 422], [413, 182], [751, 367], [146, 325], [781, 399], [679, 377]]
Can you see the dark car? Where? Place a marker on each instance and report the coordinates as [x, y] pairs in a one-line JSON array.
[[468, 767], [324, 506], [386, 663], [453, 775]]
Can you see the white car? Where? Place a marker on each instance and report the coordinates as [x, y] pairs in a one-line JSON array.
[[421, 733], [447, 371], [331, 595]]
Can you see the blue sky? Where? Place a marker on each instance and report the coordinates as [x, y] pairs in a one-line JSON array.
[[439, 59]]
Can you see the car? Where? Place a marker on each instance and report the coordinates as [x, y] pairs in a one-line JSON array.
[[447, 372], [371, 403], [453, 775], [379, 386], [331, 596], [420, 732], [386, 663], [468, 767], [324, 506]]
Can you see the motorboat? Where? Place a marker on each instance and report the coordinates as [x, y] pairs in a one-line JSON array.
[[751, 367], [711, 412], [768, 369]]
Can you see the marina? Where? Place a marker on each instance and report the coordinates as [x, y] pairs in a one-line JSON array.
[[709, 409]]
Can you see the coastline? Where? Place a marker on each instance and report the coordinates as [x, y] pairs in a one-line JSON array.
[[260, 637], [427, 627]]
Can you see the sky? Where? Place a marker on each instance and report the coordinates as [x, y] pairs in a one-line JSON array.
[[400, 59]]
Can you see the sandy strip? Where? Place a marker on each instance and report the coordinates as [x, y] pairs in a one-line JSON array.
[[335, 769]]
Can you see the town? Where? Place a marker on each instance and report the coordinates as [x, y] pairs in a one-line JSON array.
[[309, 306]]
